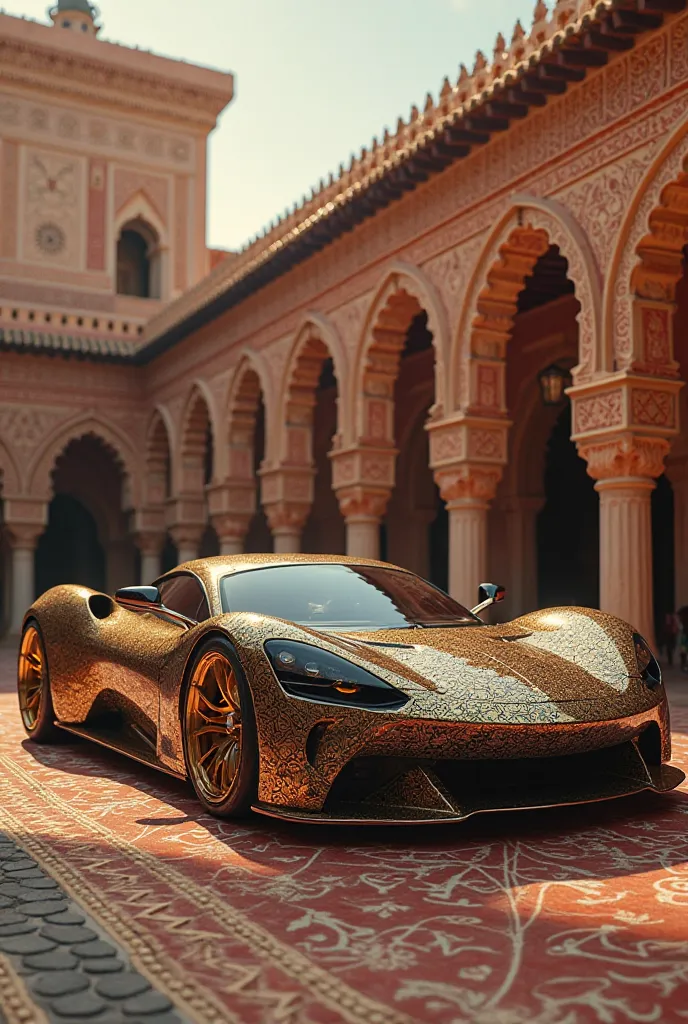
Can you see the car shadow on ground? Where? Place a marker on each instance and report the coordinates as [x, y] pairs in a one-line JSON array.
[[621, 821]]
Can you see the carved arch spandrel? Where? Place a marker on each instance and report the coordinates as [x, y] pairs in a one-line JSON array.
[[404, 293], [10, 479], [647, 261], [39, 475], [522, 236]]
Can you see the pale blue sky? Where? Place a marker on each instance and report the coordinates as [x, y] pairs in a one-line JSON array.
[[315, 80]]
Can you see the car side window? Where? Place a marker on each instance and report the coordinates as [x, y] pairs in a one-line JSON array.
[[184, 594]]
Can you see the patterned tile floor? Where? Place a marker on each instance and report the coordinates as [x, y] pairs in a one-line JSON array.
[[559, 917]]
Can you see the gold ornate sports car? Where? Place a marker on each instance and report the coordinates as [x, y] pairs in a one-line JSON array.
[[336, 689]]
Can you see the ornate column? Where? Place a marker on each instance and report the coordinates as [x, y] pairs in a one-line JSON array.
[[186, 522], [25, 521], [287, 496], [231, 506], [622, 425], [521, 521], [363, 479], [150, 545], [467, 456], [148, 533]]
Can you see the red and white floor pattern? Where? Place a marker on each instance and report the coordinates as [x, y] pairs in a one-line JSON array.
[[558, 917]]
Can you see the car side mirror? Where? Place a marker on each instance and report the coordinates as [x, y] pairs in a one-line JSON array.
[[488, 594], [139, 598], [149, 599]]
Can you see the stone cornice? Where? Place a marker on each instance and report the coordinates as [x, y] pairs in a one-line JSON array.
[[37, 57]]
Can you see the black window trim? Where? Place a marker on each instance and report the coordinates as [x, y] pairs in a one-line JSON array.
[[174, 574]]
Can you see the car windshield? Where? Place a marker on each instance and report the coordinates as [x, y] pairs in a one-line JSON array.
[[341, 597]]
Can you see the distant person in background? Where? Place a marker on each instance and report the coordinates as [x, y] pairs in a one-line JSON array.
[[671, 627]]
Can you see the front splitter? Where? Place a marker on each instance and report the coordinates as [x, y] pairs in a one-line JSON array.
[[664, 778]]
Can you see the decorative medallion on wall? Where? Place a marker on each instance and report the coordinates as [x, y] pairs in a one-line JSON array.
[[50, 239], [52, 210]]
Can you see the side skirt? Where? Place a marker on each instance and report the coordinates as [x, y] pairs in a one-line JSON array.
[[113, 742]]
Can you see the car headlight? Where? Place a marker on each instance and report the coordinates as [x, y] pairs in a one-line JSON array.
[[649, 669], [305, 671]]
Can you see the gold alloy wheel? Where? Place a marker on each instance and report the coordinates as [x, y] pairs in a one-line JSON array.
[[213, 727], [30, 677]]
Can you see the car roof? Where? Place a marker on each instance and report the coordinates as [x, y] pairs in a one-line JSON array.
[[211, 570]]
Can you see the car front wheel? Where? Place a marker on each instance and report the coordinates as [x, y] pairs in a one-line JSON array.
[[219, 730]]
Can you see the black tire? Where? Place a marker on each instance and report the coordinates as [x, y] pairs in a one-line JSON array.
[[232, 800], [33, 686]]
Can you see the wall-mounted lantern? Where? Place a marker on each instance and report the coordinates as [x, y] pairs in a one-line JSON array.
[[553, 383]]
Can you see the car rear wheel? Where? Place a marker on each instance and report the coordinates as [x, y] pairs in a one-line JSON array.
[[33, 684], [219, 731]]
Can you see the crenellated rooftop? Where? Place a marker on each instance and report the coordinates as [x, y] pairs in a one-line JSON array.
[[561, 47]]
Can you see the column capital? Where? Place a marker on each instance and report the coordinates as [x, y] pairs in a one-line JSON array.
[[24, 521], [234, 496], [358, 504], [464, 484], [476, 440], [149, 542], [23, 536], [286, 517], [186, 509], [230, 526], [625, 460], [286, 494], [150, 519], [187, 535], [624, 401], [231, 507], [363, 480]]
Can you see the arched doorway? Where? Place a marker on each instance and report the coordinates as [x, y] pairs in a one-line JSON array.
[[195, 536], [544, 524], [324, 530], [70, 550], [138, 260], [87, 539], [258, 537], [568, 527], [415, 529]]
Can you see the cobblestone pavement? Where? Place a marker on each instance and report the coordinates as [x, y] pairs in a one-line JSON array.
[[121, 901], [70, 967]]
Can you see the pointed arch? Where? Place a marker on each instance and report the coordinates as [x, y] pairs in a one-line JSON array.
[[404, 293], [39, 474], [157, 484], [315, 342], [140, 208], [249, 384], [197, 434], [647, 260], [528, 229]]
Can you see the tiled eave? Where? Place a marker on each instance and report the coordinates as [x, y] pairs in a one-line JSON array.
[[612, 26], [92, 347]]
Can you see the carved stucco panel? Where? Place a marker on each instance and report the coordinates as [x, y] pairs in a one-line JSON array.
[[348, 320], [23, 429], [600, 202], [450, 273]]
